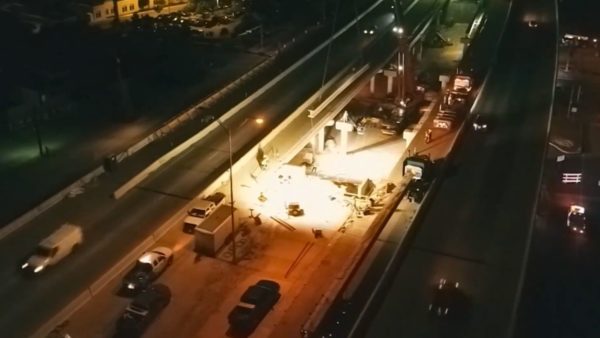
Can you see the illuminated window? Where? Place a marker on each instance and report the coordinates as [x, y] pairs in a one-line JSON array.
[[124, 9], [130, 7], [98, 14]]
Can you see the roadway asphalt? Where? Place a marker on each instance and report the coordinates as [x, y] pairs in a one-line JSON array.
[[476, 229], [560, 294], [112, 228]]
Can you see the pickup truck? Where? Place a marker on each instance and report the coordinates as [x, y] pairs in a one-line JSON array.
[[201, 210]]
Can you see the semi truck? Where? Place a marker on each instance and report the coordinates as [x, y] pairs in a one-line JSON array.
[[214, 231]]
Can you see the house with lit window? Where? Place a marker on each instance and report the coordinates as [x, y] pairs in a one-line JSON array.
[[103, 11]]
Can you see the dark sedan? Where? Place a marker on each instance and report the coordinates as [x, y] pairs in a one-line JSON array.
[[143, 310], [254, 305]]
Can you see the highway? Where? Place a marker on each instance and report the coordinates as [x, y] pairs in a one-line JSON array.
[[561, 288], [476, 229], [112, 228]]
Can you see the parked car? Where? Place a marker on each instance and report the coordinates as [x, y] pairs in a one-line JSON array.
[[147, 268], [254, 305], [445, 298], [143, 310], [54, 248], [576, 220]]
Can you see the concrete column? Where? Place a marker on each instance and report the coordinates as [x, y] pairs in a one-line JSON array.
[[372, 84], [320, 140], [390, 75], [343, 141], [419, 50]]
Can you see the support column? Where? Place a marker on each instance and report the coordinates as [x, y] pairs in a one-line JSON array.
[[344, 126], [343, 141], [419, 50], [320, 140], [372, 84], [390, 75]]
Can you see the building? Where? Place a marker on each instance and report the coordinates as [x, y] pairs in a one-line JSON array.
[[101, 12]]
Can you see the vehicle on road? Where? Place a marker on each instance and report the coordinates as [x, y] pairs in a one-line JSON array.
[[370, 30], [147, 268], [143, 310], [54, 248], [532, 24], [480, 123], [576, 220], [254, 305], [445, 298]]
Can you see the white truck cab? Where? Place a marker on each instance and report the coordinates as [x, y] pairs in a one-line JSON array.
[[54, 248], [196, 214]]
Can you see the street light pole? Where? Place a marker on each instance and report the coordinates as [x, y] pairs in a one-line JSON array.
[[234, 259]]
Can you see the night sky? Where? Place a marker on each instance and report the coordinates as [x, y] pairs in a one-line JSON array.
[[580, 16]]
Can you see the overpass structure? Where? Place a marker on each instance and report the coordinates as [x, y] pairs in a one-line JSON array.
[[113, 228]]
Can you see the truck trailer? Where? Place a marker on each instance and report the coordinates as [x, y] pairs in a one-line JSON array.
[[214, 231]]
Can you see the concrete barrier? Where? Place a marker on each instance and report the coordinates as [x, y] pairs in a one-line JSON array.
[[62, 315], [47, 204]]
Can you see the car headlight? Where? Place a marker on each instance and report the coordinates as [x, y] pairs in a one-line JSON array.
[[25, 265], [38, 268], [131, 286]]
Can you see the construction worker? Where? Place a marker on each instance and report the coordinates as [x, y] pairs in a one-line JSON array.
[[428, 135]]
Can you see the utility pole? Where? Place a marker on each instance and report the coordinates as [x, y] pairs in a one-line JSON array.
[[36, 126], [116, 10], [262, 36], [401, 66]]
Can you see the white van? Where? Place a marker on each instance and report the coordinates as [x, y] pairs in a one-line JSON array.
[[54, 248]]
